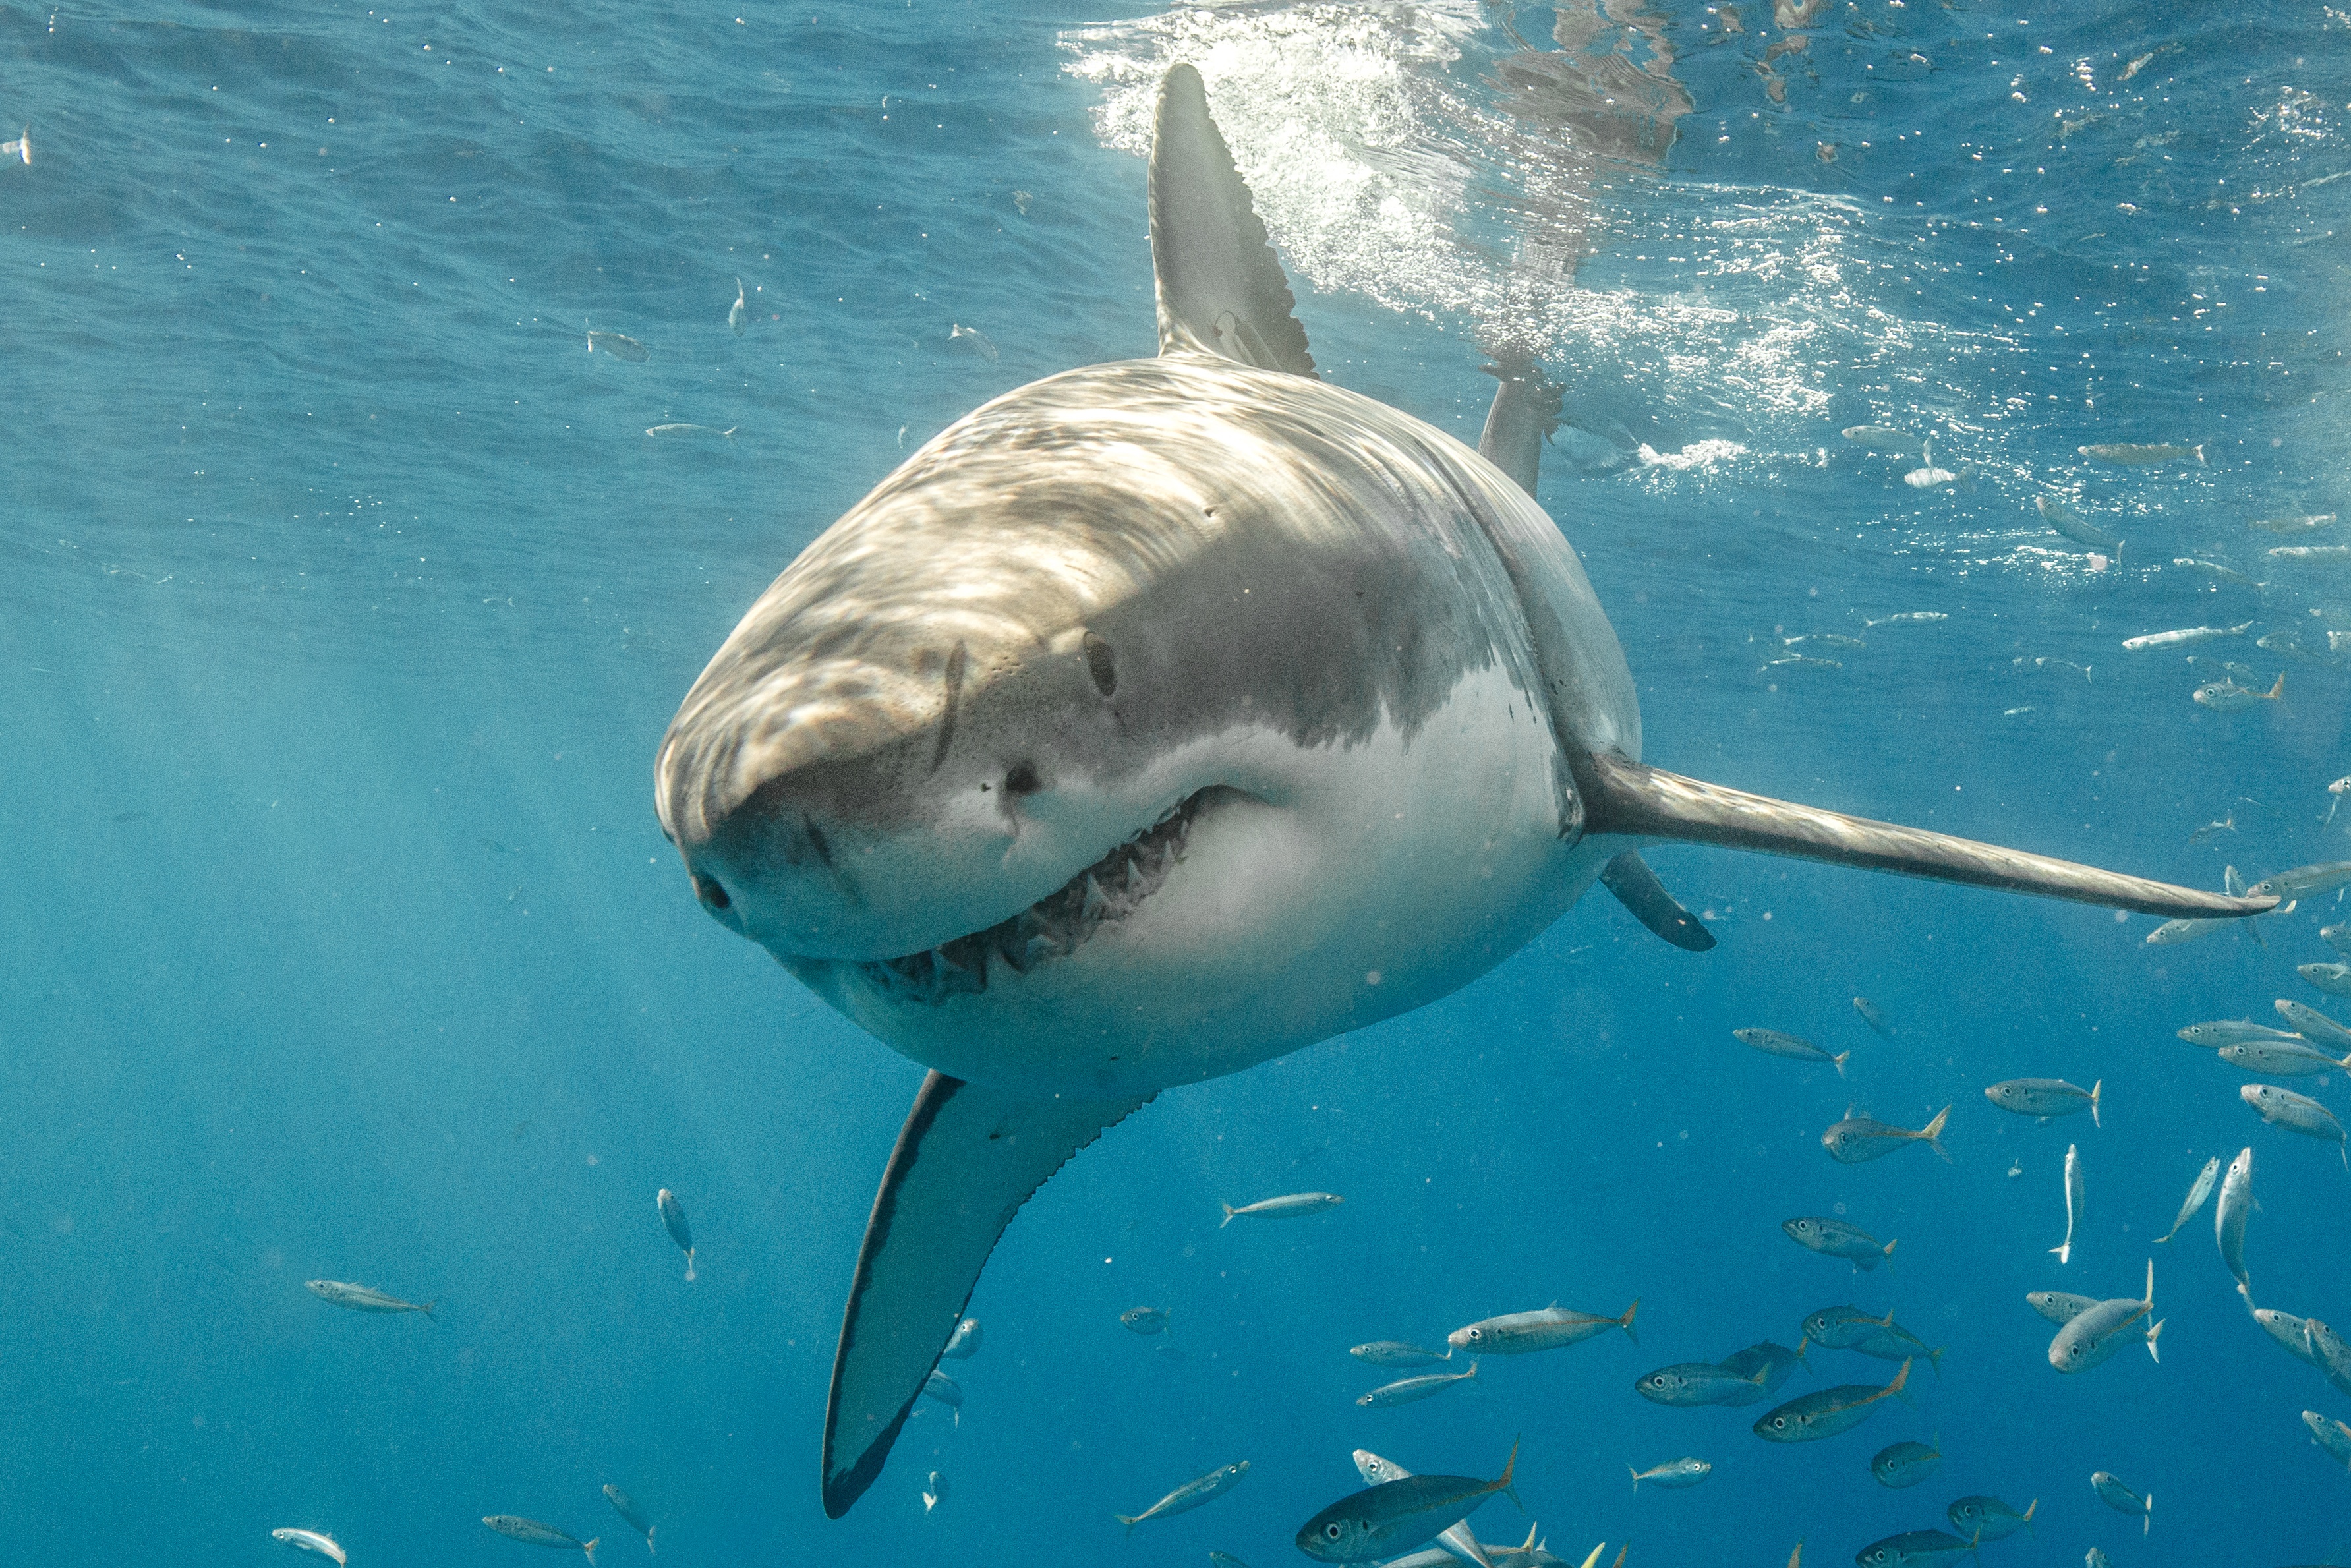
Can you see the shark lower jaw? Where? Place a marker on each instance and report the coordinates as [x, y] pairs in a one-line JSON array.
[[1054, 927]]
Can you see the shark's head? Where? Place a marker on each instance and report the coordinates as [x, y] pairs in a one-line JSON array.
[[1068, 753]]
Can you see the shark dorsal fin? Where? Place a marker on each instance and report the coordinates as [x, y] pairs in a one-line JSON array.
[[1221, 289]]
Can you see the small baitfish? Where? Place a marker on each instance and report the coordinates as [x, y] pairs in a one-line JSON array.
[[1691, 1383], [1880, 438], [2122, 1500], [2046, 1098], [1871, 1014], [2074, 1198], [2059, 1306], [1404, 1391], [1988, 1519], [2096, 1333], [2291, 1331], [1825, 639], [2185, 636], [1835, 1238], [2296, 1113], [2140, 454], [1775, 1363], [361, 1299], [2338, 936], [1284, 1207], [2076, 526], [938, 1385], [2094, 1557], [2314, 1026], [531, 1532], [1395, 1353], [2310, 552], [1857, 1139], [972, 338], [2330, 1352], [1775, 1043], [2303, 881], [2198, 1190], [1842, 1328], [934, 1493], [1145, 1320], [627, 1508], [1799, 662], [2230, 1032], [661, 432], [1518, 1334], [1904, 1464], [1189, 1496], [2330, 1435], [673, 1217], [1929, 477], [2215, 569], [963, 1343], [1456, 1543], [2280, 1058], [2227, 696], [1906, 618], [2293, 525], [1895, 1343], [736, 312], [618, 346], [2335, 979], [2228, 1218], [311, 1541], [2214, 830], [1914, 1548], [1826, 1412], [1384, 1521], [1674, 1474]]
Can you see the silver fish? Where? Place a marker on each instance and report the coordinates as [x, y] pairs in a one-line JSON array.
[[1517, 1333], [938, 1385], [1914, 1548], [1395, 1516], [934, 1493], [2198, 1191], [2228, 697], [2338, 936], [1692, 1382], [2335, 979], [1903, 1464], [2046, 1097], [311, 1541], [972, 338], [626, 1507], [2296, 1113], [1145, 1320], [739, 310], [2088, 1340], [2214, 569], [1405, 1390], [2094, 1557], [1825, 1412], [963, 1343], [1775, 1363], [2122, 1500], [2329, 1353], [2140, 454], [1878, 438], [2185, 636], [1929, 477], [537, 1534], [1788, 1045], [1988, 1519], [1826, 640], [1907, 618], [621, 347], [1456, 1542], [2074, 526], [2228, 1218], [2291, 1331], [1860, 1138], [1188, 1496], [1798, 660], [2073, 1203], [2332, 1436], [2227, 824], [2280, 1058], [1395, 1353], [1282, 1207], [2314, 1026], [2231, 1031], [1673, 1473], [1835, 1238], [673, 1217], [2303, 880], [1842, 1328], [2310, 552], [361, 1299], [2293, 525], [2059, 1306], [21, 148], [1895, 1343], [1871, 1014], [661, 432]]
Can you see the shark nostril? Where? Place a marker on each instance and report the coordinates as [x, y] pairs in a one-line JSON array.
[[710, 891]]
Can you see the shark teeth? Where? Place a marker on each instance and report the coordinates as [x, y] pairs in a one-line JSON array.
[[1054, 926]]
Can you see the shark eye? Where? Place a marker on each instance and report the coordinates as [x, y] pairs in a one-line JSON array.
[[1100, 664], [711, 892], [1022, 779]]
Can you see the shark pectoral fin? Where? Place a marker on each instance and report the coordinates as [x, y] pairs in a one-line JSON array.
[[1220, 287], [967, 1160], [1636, 887], [1624, 796], [1526, 411]]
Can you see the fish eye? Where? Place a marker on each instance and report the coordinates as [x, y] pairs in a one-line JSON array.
[[1779, 1424], [1022, 779], [1477, 1333], [1334, 1530], [1100, 664], [710, 891]]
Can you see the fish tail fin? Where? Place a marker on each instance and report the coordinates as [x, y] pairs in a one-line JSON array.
[[2198, 450], [2101, 1083], [1510, 1470], [1899, 1387], [1620, 1554], [1229, 1212], [689, 1263], [2277, 691], [1625, 1323], [2146, 1520], [1128, 1522], [1886, 1253], [427, 1310], [590, 1548], [1838, 1061], [729, 432], [1531, 1527], [2153, 1334], [1935, 1360], [1933, 1131], [2029, 1509], [649, 1540], [1472, 1373], [1803, 1344], [2151, 1281], [2064, 1251], [1637, 1481]]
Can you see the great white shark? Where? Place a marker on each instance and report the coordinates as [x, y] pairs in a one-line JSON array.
[[1162, 716]]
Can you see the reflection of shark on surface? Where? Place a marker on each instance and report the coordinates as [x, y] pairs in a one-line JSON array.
[[1161, 718]]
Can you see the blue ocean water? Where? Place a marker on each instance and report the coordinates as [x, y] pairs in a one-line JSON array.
[[343, 599]]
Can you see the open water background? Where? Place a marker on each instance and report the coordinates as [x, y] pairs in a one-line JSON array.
[[343, 601]]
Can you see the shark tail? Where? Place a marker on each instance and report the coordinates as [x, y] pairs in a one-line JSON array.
[[1933, 1131], [2101, 1083], [1625, 1323]]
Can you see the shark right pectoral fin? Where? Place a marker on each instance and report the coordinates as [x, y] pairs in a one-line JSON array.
[[1625, 798], [1636, 887], [967, 1160]]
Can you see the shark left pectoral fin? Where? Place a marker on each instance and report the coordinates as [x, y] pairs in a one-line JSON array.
[[1636, 887], [965, 1161], [1631, 799]]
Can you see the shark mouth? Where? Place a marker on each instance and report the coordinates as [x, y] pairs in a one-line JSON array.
[[1057, 925]]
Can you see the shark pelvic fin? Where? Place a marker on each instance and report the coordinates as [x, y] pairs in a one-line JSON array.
[[967, 1160], [1636, 887], [1624, 796], [1221, 289]]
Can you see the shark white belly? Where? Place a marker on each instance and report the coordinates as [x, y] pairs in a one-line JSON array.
[[1161, 718]]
